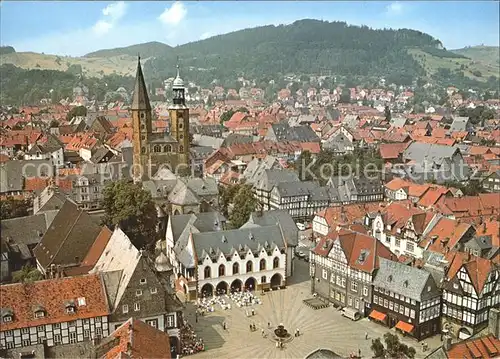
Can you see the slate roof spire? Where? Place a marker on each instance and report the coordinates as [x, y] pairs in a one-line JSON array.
[[140, 99]]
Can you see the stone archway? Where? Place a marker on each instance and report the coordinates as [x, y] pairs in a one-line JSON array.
[[236, 286], [207, 290], [177, 212], [464, 333], [250, 284], [221, 288], [276, 280]]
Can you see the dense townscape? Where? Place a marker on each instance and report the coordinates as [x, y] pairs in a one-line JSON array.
[[314, 219]]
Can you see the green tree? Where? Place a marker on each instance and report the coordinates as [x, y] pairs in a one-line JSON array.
[[130, 207], [54, 123], [76, 111], [226, 116], [13, 208], [377, 348], [244, 204], [27, 274]]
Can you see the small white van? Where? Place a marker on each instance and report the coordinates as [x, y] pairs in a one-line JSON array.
[[301, 226]]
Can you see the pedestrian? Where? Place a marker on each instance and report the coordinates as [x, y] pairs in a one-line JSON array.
[[359, 353], [268, 325], [254, 328], [366, 335], [297, 332], [277, 344], [262, 331], [246, 313], [253, 311], [224, 325]]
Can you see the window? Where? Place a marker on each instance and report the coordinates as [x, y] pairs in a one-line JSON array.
[[154, 290], [181, 148], [26, 342], [206, 272], [263, 279], [375, 299], [222, 270], [356, 303], [72, 323], [410, 246], [143, 281], [354, 286], [125, 309], [276, 263], [39, 314], [25, 330], [168, 148], [7, 318], [137, 307], [397, 243], [72, 337], [262, 264], [249, 266], [157, 148], [138, 292], [180, 123], [236, 268], [143, 150], [9, 345], [324, 274], [153, 323], [57, 325], [142, 114], [86, 334], [98, 332], [365, 291], [81, 301], [40, 328], [170, 321], [9, 333]]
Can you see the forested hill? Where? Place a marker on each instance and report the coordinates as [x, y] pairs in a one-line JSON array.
[[304, 47], [148, 49]]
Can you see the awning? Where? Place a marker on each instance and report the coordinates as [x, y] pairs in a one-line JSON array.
[[405, 327], [377, 315]]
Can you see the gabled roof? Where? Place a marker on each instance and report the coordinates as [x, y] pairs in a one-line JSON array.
[[361, 251], [182, 195], [399, 278], [484, 347], [136, 339], [118, 255], [69, 237], [444, 236], [51, 296], [477, 268], [281, 217]]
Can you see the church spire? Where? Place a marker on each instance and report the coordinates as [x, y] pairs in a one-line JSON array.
[[140, 99]]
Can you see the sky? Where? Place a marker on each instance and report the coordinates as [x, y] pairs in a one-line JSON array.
[[75, 28]]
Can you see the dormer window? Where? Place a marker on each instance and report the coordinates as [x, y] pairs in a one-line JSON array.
[[39, 311], [7, 315], [70, 307]]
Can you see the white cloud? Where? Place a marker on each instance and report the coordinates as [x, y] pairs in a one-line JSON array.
[[173, 15], [206, 35], [394, 8], [112, 14]]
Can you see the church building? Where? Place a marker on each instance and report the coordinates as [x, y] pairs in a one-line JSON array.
[[153, 150]]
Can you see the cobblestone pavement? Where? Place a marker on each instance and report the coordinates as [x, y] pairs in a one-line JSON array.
[[324, 328]]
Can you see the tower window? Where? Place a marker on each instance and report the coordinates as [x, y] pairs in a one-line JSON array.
[[143, 137], [180, 124], [181, 136], [168, 148], [157, 148], [181, 148], [143, 150], [142, 114], [143, 126]]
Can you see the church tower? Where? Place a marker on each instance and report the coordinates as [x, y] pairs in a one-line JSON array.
[[141, 124], [179, 120]]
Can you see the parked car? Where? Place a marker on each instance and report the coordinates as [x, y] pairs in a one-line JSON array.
[[351, 313]]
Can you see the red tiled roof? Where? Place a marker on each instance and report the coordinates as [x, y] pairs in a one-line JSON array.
[[444, 236], [97, 248], [52, 295], [478, 268], [390, 151], [33, 184], [139, 340], [484, 347]]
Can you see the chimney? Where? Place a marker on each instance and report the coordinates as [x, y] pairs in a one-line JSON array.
[[447, 343], [433, 239]]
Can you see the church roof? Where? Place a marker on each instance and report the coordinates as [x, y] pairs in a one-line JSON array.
[[140, 100], [182, 195]]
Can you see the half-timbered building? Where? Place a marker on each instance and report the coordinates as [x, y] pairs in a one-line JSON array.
[[53, 312]]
